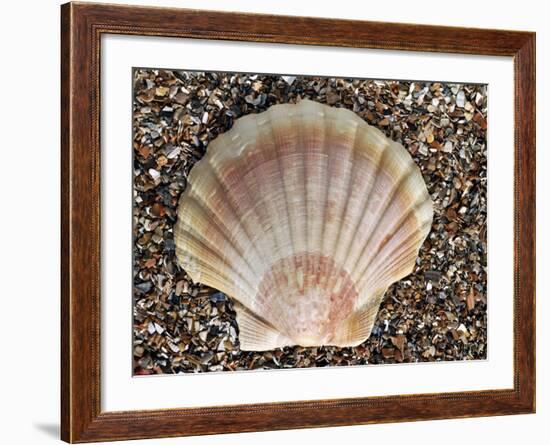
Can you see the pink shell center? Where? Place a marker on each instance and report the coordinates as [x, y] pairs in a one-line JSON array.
[[308, 296]]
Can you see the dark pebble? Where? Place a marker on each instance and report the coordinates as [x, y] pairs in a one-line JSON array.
[[144, 287], [169, 244], [218, 297], [433, 275]]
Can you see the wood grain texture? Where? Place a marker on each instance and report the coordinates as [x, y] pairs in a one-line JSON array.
[[81, 28]]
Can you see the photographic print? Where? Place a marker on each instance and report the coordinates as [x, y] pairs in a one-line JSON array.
[[286, 221]]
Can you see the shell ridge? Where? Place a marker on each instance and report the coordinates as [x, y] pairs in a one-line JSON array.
[[301, 225], [271, 207], [304, 188], [360, 221], [367, 254], [298, 225], [396, 269], [331, 280], [192, 234], [276, 244], [339, 245], [325, 151], [361, 211], [308, 220], [252, 122], [356, 328], [410, 211], [245, 221], [280, 172], [263, 304], [327, 188], [215, 223], [256, 333], [409, 244], [362, 208], [221, 280], [329, 250], [279, 232], [279, 244]]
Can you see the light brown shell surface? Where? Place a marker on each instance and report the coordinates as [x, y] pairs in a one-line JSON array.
[[303, 214]]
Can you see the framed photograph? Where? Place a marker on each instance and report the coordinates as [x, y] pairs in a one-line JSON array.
[[274, 222]]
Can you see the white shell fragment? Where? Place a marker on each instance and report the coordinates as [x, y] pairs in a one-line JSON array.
[[304, 215]]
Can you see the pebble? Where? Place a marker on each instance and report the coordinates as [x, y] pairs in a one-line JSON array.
[[217, 297], [460, 99], [289, 79], [448, 147]]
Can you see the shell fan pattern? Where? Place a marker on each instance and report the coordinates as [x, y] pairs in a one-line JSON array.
[[304, 215]]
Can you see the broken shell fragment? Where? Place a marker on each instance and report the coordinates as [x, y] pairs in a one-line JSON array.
[[304, 215]]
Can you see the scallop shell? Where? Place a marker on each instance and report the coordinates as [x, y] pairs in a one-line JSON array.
[[304, 215]]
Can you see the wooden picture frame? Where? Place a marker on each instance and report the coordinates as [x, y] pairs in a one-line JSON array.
[[82, 26]]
